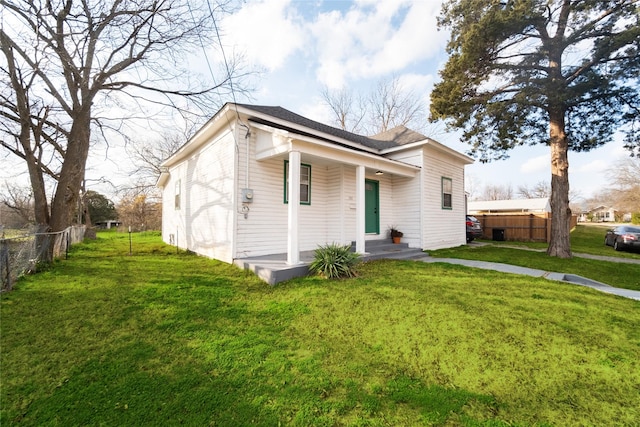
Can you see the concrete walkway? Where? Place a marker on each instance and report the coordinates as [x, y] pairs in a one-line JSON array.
[[575, 254], [562, 277]]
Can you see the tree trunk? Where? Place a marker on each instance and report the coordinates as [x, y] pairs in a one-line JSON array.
[[65, 201], [22, 108], [560, 242], [40, 204]]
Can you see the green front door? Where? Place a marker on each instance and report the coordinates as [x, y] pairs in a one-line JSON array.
[[371, 207]]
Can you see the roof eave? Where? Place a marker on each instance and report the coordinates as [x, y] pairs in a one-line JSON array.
[[433, 143], [308, 130]]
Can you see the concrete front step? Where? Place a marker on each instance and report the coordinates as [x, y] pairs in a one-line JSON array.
[[273, 268], [376, 249], [405, 253], [381, 245]]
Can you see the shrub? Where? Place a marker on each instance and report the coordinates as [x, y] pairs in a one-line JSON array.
[[635, 218], [334, 261]]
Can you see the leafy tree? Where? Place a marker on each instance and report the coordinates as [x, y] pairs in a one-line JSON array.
[[100, 207], [564, 73], [72, 67]]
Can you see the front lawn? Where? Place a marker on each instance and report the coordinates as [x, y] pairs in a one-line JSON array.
[[586, 239], [166, 338]]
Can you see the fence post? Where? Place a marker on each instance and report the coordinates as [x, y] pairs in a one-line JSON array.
[[547, 229], [4, 265]]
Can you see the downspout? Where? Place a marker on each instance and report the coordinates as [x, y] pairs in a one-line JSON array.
[[236, 162]]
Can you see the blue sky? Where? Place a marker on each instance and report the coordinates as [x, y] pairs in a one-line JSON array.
[[303, 45]]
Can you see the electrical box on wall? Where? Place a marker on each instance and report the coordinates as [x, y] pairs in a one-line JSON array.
[[247, 195]]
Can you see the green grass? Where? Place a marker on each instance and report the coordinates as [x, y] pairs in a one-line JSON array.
[[589, 239], [166, 338], [584, 239]]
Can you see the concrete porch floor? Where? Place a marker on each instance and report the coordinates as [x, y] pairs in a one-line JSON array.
[[274, 268]]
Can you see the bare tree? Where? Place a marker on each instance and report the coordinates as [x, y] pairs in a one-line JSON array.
[[625, 182], [147, 157], [471, 186], [71, 64], [387, 106], [349, 109], [497, 192], [539, 190], [19, 200], [392, 105], [140, 211]]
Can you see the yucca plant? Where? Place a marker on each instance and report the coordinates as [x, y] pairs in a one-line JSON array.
[[334, 261]]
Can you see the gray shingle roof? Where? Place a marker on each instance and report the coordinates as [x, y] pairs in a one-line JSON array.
[[392, 138], [399, 135]]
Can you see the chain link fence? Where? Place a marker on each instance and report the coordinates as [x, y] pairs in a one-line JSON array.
[[21, 254]]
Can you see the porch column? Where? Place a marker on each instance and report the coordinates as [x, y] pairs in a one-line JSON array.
[[293, 242], [360, 210]]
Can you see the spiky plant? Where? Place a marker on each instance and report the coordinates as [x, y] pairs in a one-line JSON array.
[[334, 261]]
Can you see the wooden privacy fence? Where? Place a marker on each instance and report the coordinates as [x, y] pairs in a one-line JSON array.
[[524, 227]]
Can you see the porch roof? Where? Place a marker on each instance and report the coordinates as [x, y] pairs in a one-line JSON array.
[[396, 139], [326, 151]]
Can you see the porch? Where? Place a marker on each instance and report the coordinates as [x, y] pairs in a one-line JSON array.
[[274, 268]]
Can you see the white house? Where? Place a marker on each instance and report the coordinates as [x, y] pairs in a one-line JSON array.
[[600, 214], [261, 180]]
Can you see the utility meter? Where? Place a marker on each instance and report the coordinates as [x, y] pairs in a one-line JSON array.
[[247, 195]]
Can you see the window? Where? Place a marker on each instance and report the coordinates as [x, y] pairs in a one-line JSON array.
[[177, 195], [447, 193], [305, 183]]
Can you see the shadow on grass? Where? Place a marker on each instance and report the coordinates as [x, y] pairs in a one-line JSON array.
[[162, 339]]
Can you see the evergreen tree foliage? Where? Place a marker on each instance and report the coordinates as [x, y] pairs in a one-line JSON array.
[[564, 73]]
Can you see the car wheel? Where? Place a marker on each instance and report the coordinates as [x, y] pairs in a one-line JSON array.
[[606, 241], [617, 246]]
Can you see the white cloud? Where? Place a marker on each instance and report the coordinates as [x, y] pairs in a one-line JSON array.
[[416, 38], [317, 110], [373, 39], [595, 166], [268, 32], [536, 164]]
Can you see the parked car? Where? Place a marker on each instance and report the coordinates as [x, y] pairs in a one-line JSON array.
[[623, 237], [474, 228]]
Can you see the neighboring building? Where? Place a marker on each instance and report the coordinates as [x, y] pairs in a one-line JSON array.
[[599, 214], [262, 180], [106, 225], [540, 205]]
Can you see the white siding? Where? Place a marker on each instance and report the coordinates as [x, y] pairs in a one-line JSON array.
[[337, 206], [263, 230], [214, 221], [347, 205], [407, 195], [387, 206], [331, 216], [204, 222], [443, 228]]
